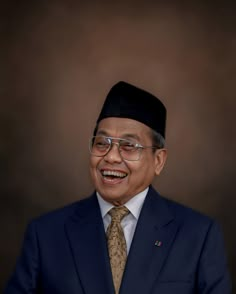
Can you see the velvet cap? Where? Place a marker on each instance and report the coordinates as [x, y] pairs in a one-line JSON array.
[[127, 101]]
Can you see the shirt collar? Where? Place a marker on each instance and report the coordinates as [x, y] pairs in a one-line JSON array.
[[134, 204]]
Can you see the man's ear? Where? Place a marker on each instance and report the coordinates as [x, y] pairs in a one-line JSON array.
[[160, 159]]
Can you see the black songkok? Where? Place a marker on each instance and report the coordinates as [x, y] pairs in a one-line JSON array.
[[127, 101]]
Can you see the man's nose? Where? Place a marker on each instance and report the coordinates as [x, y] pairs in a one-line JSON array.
[[113, 154]]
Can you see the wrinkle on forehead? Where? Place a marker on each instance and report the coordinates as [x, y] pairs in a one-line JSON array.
[[124, 128]]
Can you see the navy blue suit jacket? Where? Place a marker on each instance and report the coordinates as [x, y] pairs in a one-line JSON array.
[[174, 250]]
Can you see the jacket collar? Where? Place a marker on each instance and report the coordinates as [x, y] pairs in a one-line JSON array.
[[88, 244], [153, 238]]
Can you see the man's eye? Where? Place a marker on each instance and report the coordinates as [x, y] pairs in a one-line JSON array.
[[101, 144], [128, 147]]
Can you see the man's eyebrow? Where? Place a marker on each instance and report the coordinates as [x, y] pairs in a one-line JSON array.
[[131, 136], [124, 136], [102, 133]]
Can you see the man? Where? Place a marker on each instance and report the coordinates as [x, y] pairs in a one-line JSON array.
[[125, 238]]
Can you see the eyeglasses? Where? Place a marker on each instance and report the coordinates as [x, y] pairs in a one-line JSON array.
[[129, 150]]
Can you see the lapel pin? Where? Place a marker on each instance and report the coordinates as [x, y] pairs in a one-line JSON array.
[[158, 243]]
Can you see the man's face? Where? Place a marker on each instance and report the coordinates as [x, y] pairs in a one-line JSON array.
[[132, 176]]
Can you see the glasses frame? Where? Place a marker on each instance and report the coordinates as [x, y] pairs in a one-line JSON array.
[[110, 140]]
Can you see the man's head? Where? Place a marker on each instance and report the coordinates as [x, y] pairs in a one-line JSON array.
[[128, 148]]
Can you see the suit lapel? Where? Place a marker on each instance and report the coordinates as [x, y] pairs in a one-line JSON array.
[[154, 235], [88, 243]]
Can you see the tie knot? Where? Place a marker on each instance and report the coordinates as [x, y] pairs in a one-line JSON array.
[[118, 213]]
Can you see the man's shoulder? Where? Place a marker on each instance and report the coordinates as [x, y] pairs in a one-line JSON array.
[[191, 221], [60, 215], [184, 213]]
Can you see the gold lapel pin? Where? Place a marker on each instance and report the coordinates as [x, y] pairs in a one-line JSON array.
[[158, 243]]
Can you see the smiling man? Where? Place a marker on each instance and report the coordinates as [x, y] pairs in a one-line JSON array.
[[125, 238], [124, 159]]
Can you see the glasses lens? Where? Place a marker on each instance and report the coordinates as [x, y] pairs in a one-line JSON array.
[[129, 150], [99, 145]]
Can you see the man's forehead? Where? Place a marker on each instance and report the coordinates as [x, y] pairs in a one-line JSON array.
[[122, 127], [124, 135]]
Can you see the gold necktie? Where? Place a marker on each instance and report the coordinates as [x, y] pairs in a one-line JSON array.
[[117, 244]]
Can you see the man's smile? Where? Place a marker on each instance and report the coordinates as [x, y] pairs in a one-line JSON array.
[[112, 175]]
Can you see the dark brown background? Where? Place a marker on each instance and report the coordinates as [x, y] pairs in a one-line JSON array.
[[59, 59]]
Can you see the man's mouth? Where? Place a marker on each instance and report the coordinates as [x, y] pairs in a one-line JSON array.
[[112, 174]]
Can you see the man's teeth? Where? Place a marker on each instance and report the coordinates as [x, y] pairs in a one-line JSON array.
[[110, 173]]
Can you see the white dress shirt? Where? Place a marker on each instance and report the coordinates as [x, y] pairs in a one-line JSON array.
[[129, 222]]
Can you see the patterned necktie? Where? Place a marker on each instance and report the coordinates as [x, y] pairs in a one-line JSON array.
[[117, 244]]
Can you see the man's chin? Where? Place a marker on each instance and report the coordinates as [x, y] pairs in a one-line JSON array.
[[117, 198]]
